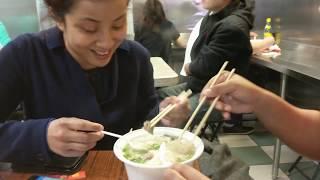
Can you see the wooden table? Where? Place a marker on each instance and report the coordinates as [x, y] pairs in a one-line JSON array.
[[104, 165], [98, 165]]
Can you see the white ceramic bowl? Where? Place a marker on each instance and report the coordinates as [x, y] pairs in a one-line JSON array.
[[138, 171]]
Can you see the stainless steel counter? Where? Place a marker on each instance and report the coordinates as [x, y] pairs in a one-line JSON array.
[[300, 61]]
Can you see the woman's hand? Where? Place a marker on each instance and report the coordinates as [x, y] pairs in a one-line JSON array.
[[238, 95], [179, 114], [183, 172], [72, 137]]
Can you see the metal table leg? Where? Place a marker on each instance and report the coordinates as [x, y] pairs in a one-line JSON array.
[[276, 159], [277, 147]]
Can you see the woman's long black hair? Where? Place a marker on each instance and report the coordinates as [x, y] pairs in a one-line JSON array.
[[153, 14]]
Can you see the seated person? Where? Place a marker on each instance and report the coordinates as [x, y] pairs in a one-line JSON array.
[[75, 80], [156, 32], [222, 35]]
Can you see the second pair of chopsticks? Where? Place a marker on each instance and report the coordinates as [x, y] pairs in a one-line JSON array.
[[213, 104], [203, 100]]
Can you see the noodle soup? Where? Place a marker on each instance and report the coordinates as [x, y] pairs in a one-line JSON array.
[[146, 156], [158, 150]]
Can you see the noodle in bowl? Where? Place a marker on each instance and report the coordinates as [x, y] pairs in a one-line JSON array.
[[140, 171]]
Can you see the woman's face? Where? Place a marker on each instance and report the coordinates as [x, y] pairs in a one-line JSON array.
[[93, 30]]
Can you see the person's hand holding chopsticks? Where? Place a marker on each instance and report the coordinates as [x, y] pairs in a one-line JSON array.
[[72, 137], [179, 114], [238, 95]]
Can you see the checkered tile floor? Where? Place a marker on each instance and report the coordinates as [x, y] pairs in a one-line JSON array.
[[257, 151]]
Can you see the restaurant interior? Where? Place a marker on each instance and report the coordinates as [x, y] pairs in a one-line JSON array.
[[292, 73]]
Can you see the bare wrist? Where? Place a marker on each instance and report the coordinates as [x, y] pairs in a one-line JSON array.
[[261, 99]]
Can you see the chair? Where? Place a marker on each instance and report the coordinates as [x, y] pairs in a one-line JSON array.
[[213, 127], [211, 130], [294, 166]]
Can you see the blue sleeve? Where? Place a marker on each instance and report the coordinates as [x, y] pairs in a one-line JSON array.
[[22, 141], [147, 88], [148, 104], [11, 78]]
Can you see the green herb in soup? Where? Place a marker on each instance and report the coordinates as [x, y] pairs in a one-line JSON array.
[[147, 150], [139, 155]]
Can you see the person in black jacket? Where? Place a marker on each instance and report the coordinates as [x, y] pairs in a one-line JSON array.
[[223, 36], [156, 32]]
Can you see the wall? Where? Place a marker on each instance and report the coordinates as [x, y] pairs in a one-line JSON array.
[[183, 13], [300, 19], [300, 32], [19, 16]]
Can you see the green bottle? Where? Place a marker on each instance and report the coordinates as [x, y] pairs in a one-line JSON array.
[[267, 29], [277, 30], [4, 37]]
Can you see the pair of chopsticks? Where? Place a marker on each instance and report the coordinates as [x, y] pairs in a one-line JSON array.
[[170, 107], [213, 104], [205, 118], [166, 110]]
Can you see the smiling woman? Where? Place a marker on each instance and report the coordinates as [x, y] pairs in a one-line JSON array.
[[91, 34], [74, 82]]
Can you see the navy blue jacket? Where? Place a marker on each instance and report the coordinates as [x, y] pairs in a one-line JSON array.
[[37, 69]]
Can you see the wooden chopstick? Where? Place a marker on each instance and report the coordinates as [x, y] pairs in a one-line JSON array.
[[160, 114], [111, 134], [213, 104], [168, 109], [203, 100], [164, 110]]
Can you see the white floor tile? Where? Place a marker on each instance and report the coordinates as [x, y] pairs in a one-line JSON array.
[[287, 155], [237, 140], [264, 172]]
